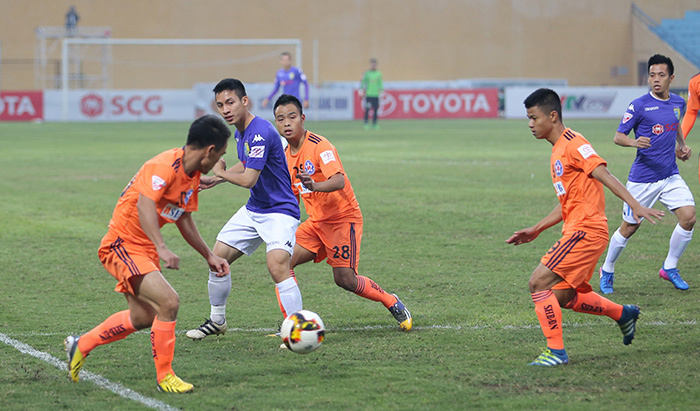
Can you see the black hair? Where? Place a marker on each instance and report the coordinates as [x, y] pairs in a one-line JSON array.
[[546, 99], [660, 59], [230, 84], [285, 99], [207, 130]]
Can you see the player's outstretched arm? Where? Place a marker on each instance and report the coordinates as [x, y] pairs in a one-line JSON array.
[[602, 174], [238, 174], [148, 217], [528, 234], [206, 182], [191, 234]]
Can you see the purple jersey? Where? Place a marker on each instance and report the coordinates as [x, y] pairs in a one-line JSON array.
[[658, 119], [290, 80], [260, 148]]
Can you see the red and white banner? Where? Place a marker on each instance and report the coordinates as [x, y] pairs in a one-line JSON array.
[[120, 105], [21, 105], [434, 103]]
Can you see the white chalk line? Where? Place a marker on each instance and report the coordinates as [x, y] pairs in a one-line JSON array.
[[159, 405], [96, 379], [389, 327]]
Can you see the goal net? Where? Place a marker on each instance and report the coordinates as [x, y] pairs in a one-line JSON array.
[[112, 63]]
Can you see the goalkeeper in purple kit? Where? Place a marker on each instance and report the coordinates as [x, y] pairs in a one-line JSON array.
[[290, 78]]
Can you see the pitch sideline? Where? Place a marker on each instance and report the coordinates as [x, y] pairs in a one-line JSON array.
[[98, 380]]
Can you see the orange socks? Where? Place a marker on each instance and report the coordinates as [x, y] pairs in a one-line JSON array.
[[592, 303], [370, 290], [549, 313], [114, 328], [163, 344]]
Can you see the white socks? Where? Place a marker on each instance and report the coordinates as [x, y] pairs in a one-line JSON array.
[[290, 296], [219, 290], [679, 241], [617, 245]]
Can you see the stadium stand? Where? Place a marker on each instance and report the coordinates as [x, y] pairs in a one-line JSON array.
[[683, 35]]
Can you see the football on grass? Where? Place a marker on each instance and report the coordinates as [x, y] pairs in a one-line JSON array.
[[303, 331]]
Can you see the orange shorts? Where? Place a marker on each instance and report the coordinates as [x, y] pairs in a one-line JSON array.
[[126, 261], [574, 258], [339, 242]]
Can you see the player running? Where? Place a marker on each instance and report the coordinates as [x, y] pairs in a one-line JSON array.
[[163, 191], [334, 227], [654, 174], [562, 277], [691, 112]]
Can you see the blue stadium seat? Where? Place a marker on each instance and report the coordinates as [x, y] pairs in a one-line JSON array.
[[682, 34]]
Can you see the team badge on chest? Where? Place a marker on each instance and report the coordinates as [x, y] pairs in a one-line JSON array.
[[309, 167], [558, 168]]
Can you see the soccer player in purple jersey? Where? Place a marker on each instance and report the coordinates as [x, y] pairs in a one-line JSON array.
[[290, 78], [654, 175], [271, 214]]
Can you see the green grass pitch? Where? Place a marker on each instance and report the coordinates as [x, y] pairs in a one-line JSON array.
[[439, 199]]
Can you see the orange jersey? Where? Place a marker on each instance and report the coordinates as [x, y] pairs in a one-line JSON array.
[[163, 180], [581, 196], [319, 158], [693, 105]]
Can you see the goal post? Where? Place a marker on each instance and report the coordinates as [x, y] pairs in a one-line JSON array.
[[76, 41]]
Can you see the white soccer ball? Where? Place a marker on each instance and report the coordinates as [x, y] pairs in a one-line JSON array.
[[303, 331]]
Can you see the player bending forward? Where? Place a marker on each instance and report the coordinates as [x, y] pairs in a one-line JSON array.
[[562, 277], [163, 191], [334, 227]]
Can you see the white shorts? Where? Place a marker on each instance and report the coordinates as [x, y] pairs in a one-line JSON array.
[[672, 192], [246, 230]]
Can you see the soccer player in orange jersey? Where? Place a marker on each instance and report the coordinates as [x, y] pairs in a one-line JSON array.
[[163, 191], [693, 105], [333, 230], [562, 277]]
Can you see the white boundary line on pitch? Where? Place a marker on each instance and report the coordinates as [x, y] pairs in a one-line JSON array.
[[383, 327], [98, 380]]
